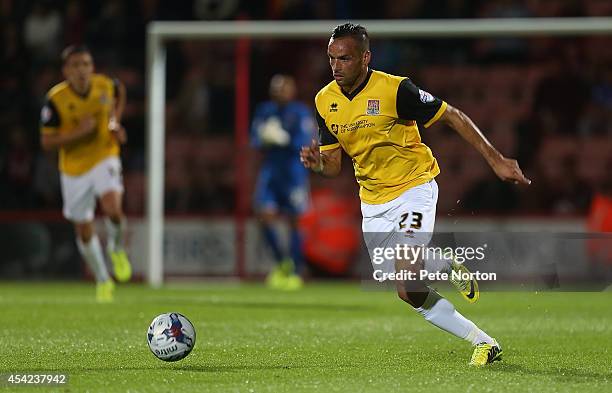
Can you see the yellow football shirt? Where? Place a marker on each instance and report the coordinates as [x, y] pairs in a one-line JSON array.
[[63, 111], [378, 127]]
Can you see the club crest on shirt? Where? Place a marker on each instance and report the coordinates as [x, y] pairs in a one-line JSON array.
[[373, 108]]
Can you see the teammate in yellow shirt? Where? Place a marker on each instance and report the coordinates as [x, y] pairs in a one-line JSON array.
[[375, 118], [82, 119]]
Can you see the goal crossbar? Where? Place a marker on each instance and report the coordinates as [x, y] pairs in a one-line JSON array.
[[159, 32], [381, 28]]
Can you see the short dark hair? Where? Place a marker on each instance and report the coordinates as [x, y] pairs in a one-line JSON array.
[[355, 31], [73, 50]]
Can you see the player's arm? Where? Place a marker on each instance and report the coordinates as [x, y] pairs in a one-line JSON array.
[[324, 156], [416, 104], [120, 99], [326, 163], [505, 168], [50, 139], [119, 102]]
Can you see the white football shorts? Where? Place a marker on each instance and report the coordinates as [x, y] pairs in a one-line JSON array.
[[80, 192], [406, 220]]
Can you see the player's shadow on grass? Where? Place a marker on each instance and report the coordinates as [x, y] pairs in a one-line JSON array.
[[563, 374]]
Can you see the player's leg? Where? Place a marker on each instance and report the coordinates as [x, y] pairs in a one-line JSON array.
[[437, 262], [433, 307], [295, 244], [266, 218], [439, 311], [110, 202], [277, 278], [464, 282], [79, 205], [413, 291], [411, 217], [294, 279], [109, 190], [295, 202], [115, 220], [90, 248], [266, 208]]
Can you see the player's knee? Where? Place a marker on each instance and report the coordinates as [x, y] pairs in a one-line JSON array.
[[113, 211], [406, 296], [111, 206], [85, 232], [85, 238], [414, 296], [403, 295], [115, 215]]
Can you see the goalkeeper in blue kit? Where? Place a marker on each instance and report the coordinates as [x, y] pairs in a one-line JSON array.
[[280, 128]]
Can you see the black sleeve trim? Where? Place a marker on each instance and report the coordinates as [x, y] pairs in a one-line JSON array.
[[49, 115], [325, 136], [415, 104]]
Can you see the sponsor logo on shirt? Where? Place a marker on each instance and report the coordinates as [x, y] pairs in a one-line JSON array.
[[333, 107], [351, 127], [425, 97]]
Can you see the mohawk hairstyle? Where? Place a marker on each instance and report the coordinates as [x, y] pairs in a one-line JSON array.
[[355, 31], [72, 50]]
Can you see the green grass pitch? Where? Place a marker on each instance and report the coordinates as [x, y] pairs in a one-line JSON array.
[[327, 338]]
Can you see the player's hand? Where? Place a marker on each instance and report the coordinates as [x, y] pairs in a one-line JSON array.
[[118, 131], [508, 170], [272, 132], [310, 156]]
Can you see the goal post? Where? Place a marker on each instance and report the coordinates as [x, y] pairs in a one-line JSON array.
[[159, 32]]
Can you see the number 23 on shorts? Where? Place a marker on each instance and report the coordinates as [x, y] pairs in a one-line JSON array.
[[415, 222]]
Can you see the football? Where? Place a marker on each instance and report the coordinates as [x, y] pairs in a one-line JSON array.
[[171, 336]]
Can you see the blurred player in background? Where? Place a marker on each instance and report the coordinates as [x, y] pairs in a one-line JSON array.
[[375, 117], [280, 128], [82, 119]]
